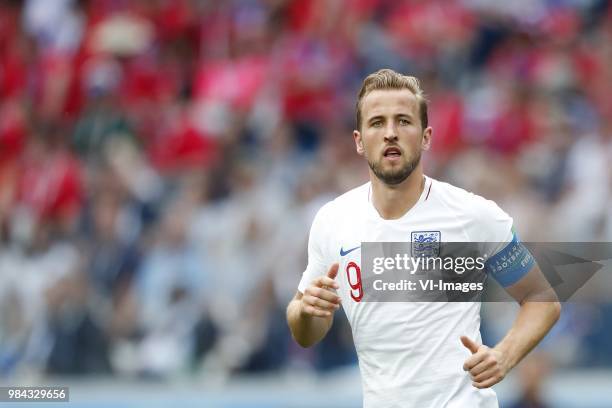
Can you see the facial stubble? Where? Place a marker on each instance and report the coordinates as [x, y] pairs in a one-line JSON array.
[[394, 177]]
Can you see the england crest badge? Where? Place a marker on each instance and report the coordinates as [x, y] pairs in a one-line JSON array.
[[426, 244]]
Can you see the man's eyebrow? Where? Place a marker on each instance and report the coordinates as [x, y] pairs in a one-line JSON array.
[[382, 117], [375, 118]]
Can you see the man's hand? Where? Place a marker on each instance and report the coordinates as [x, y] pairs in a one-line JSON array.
[[310, 314], [539, 311], [320, 298], [487, 366]]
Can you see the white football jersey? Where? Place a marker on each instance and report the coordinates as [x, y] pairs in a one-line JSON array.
[[410, 353]]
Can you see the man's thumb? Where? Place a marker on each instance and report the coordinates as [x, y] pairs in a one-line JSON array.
[[469, 344], [333, 271]]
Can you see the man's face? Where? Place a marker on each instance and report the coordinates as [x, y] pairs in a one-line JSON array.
[[391, 136]]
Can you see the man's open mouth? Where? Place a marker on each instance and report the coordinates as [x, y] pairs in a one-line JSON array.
[[392, 152]]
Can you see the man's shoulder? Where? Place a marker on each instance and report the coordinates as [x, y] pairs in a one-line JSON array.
[[455, 196], [337, 210], [348, 200], [445, 189], [485, 220]]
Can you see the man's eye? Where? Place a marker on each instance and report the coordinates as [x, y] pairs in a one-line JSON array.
[[404, 122], [377, 124]]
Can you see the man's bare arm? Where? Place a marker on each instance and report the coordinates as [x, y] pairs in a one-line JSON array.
[[310, 315], [539, 311]]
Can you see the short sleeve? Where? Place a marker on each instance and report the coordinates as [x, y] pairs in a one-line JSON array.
[[492, 226], [317, 254], [508, 259]]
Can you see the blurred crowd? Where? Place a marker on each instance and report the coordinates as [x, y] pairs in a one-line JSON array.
[[161, 160]]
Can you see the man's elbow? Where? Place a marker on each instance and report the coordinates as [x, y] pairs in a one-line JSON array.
[[303, 342], [301, 338], [294, 327]]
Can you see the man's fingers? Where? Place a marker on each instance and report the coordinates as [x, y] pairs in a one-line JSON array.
[[484, 365], [473, 361], [333, 271], [320, 303], [320, 299], [328, 279], [488, 382], [313, 311], [470, 344], [322, 281], [485, 375], [324, 294], [329, 282]]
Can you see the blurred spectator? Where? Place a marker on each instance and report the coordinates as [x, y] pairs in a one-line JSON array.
[[533, 372], [172, 295], [41, 278], [49, 188]]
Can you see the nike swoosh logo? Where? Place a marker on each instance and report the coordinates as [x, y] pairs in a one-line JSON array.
[[344, 253]]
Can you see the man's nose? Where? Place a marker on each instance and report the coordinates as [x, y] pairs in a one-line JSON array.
[[391, 133]]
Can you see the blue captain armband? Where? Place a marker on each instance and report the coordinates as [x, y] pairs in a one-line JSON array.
[[510, 264]]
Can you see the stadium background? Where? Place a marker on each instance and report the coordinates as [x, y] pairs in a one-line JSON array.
[[161, 162]]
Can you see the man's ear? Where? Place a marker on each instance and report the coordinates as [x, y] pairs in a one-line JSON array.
[[358, 142], [427, 135]]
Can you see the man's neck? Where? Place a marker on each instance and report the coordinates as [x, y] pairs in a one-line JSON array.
[[392, 202]]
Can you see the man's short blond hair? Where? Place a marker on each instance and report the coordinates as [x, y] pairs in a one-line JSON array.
[[384, 79]]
